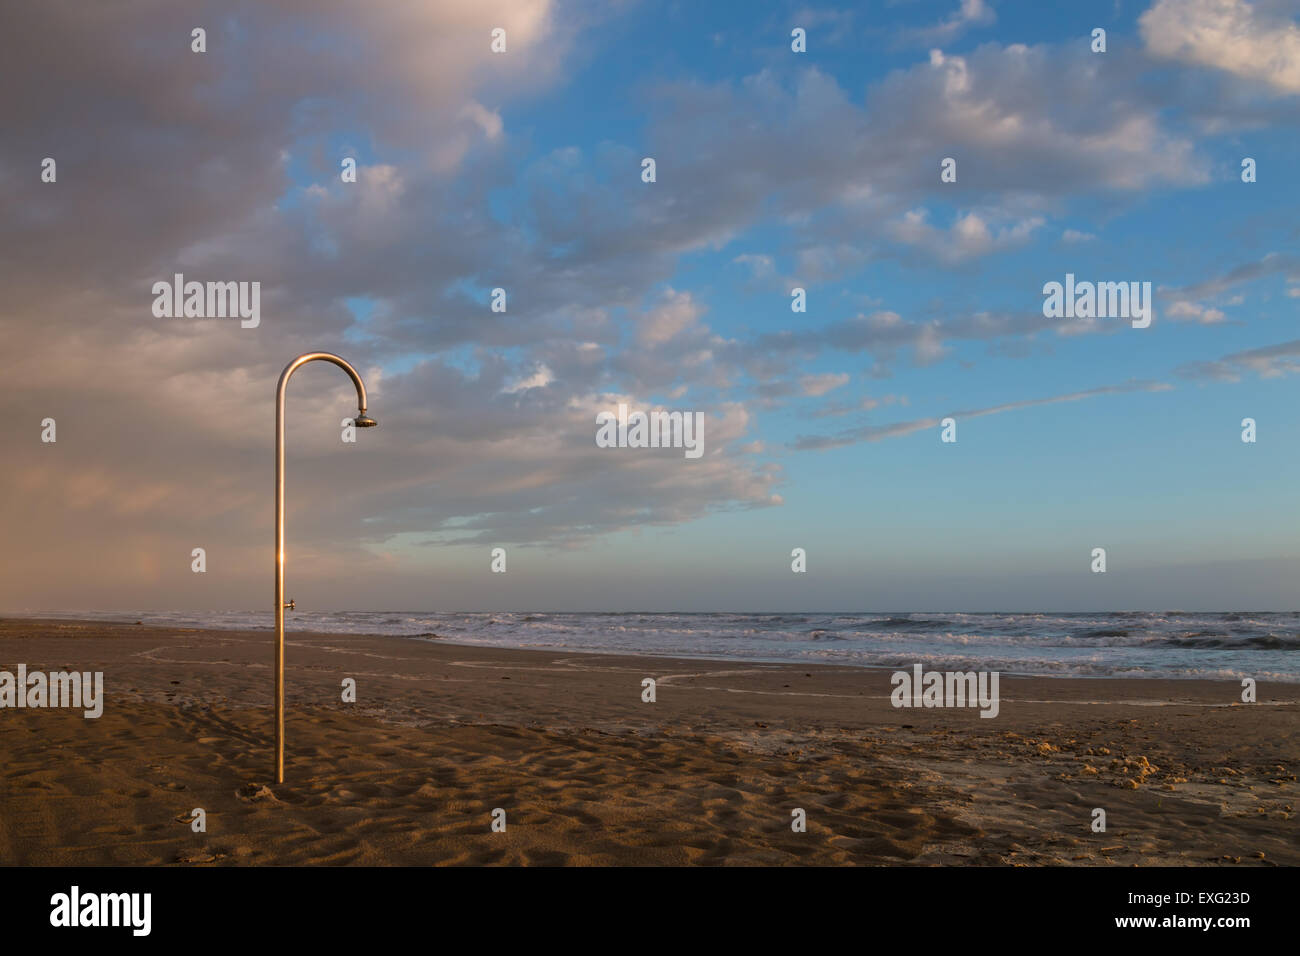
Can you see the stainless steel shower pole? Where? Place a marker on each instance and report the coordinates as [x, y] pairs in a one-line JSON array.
[[362, 421]]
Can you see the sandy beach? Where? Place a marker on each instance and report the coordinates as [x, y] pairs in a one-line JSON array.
[[587, 773]]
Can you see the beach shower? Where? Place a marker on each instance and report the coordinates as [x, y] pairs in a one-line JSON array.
[[361, 421]]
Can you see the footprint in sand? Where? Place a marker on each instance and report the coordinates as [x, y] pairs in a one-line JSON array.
[[255, 791], [200, 856]]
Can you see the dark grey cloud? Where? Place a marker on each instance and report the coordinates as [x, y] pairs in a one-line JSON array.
[[172, 161]]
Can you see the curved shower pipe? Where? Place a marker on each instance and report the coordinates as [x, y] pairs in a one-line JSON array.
[[362, 421]]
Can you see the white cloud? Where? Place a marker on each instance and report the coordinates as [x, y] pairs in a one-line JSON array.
[[969, 236], [1194, 311], [677, 313], [760, 266], [1230, 35], [970, 13], [1270, 361], [850, 436], [540, 378], [821, 384]]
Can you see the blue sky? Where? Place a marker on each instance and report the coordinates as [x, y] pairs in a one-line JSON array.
[[775, 169]]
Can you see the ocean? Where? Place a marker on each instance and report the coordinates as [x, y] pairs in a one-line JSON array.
[[1171, 644]]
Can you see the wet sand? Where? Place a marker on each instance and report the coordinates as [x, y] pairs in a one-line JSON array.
[[441, 735]]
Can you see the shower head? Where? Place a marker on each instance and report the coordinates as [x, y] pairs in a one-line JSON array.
[[364, 421]]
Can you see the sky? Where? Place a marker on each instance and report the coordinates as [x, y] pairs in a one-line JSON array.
[[774, 169]]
